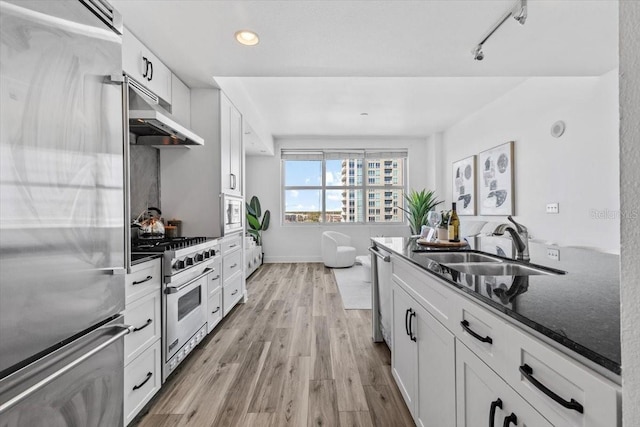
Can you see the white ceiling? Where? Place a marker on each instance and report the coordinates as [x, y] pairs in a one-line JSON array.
[[319, 64]]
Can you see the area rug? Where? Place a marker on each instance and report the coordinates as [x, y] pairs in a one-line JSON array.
[[355, 292]]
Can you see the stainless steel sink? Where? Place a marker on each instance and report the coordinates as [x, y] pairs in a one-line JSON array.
[[458, 257], [501, 269]]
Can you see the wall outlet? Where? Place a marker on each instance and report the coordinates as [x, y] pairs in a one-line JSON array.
[[553, 254], [553, 208]]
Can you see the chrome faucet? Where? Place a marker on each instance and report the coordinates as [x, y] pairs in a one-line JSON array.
[[519, 235]]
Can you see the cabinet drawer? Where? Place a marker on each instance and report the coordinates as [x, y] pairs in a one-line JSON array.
[[215, 278], [433, 296], [143, 279], [231, 293], [231, 264], [484, 333], [231, 244], [142, 380], [144, 316], [566, 379], [214, 310]]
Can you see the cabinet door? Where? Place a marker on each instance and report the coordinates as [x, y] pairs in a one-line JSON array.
[[230, 147], [436, 405], [145, 67], [483, 398], [404, 352], [235, 151]]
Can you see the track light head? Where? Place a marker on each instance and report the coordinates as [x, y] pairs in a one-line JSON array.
[[478, 55], [520, 14]]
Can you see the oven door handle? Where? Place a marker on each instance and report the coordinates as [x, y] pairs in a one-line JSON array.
[[176, 289]]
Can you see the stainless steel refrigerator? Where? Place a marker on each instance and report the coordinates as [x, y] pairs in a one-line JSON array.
[[61, 214]]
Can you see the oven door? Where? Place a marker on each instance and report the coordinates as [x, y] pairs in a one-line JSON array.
[[185, 308], [233, 215]]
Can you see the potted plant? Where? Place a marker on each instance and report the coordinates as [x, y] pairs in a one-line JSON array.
[[257, 226], [418, 205]]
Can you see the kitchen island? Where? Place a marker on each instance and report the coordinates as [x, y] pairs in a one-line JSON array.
[[452, 329]]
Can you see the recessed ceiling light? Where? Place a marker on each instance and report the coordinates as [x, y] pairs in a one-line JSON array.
[[247, 38]]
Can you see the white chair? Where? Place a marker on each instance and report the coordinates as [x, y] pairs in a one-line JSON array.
[[336, 250]]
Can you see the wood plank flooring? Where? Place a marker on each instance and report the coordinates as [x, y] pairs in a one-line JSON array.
[[291, 356]]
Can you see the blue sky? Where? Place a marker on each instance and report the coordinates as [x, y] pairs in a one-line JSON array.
[[309, 173]]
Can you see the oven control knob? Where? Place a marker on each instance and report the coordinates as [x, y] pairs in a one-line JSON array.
[[212, 252], [206, 254], [200, 257], [180, 264], [189, 260]]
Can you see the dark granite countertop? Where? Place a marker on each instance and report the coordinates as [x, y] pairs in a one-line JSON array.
[[139, 258], [580, 309]]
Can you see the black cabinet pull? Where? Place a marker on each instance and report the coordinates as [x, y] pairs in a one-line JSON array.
[[149, 375], [216, 310], [149, 321], [527, 371], [146, 67], [406, 321], [510, 419], [465, 326], [234, 292], [492, 412], [142, 281], [151, 72], [411, 316]]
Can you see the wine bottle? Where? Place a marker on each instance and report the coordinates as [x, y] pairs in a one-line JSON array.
[[454, 225]]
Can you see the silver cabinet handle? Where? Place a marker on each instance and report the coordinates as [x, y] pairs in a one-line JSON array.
[[385, 258], [126, 329], [233, 180]]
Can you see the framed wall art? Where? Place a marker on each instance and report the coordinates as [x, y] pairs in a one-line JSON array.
[[496, 196], [464, 185]]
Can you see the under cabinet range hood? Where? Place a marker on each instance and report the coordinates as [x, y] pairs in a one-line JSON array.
[[154, 126]]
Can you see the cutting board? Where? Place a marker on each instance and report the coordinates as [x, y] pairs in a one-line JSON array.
[[442, 244]]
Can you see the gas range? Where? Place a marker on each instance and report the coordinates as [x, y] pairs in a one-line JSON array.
[[181, 254]]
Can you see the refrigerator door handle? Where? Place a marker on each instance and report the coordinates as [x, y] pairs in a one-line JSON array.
[[125, 329]]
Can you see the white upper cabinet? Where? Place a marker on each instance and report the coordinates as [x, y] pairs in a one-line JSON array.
[[231, 152], [180, 101], [143, 66]]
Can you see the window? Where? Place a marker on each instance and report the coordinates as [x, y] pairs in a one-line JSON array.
[[342, 186]]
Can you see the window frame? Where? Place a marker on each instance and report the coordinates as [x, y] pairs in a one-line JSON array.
[[366, 156]]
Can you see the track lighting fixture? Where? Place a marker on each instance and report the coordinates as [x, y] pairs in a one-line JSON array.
[[518, 12]]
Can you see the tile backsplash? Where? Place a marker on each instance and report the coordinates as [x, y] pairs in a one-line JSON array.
[[145, 178]]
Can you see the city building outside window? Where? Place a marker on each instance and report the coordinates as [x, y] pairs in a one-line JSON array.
[[327, 186]]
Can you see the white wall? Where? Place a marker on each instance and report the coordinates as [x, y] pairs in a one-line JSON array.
[[579, 170], [301, 243], [630, 203]]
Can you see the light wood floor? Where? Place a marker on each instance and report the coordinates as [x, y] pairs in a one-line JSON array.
[[291, 356]]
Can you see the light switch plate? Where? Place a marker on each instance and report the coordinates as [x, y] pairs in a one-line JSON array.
[[553, 208], [553, 254]]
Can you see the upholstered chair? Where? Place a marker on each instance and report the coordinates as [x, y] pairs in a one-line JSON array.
[[337, 250]]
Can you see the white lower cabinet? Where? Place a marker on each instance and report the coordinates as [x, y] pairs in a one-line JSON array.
[[142, 351], [423, 362], [483, 398], [142, 380], [214, 308], [457, 363], [231, 293]]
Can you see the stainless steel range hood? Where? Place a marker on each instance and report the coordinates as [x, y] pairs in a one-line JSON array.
[[154, 126]]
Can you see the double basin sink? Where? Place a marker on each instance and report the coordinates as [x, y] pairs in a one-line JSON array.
[[481, 264]]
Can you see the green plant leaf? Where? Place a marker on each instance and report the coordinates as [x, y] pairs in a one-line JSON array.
[[255, 205], [254, 223], [418, 205], [250, 210], [266, 220]]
